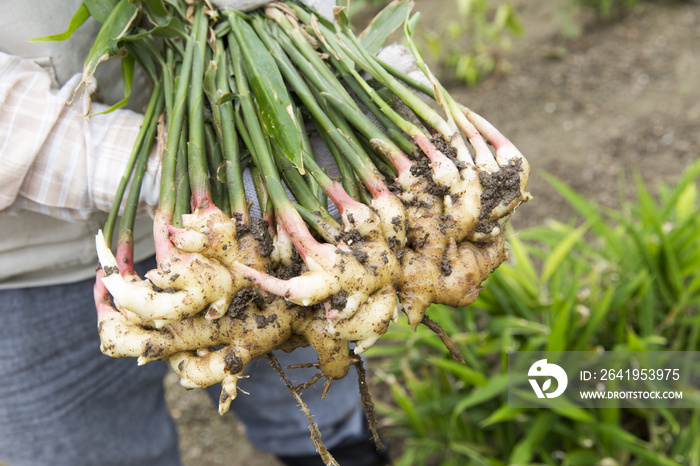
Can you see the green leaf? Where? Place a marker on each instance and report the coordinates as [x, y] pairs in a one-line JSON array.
[[463, 372], [671, 261], [610, 300], [127, 81], [649, 255], [524, 450], [649, 212], [79, 17], [558, 338], [518, 326], [277, 112], [512, 23], [408, 407], [100, 9], [503, 414], [107, 41], [342, 19], [562, 250], [384, 24], [154, 8], [633, 444], [524, 265], [574, 412], [512, 293], [170, 29], [688, 179], [590, 212], [564, 406], [581, 458], [476, 458], [146, 54], [495, 386], [165, 25], [634, 343], [179, 6]]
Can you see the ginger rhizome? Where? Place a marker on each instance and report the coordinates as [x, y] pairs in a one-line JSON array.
[[425, 191]]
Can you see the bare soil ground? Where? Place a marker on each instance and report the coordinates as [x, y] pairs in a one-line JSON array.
[[622, 98]]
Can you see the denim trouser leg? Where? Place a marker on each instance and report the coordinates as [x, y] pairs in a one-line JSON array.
[[64, 403], [339, 415]]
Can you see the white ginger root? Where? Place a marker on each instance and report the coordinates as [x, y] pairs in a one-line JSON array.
[[364, 239], [307, 289], [370, 322], [120, 338], [455, 280], [197, 283], [249, 336], [208, 368], [511, 169], [282, 247], [117, 335], [420, 263], [334, 357], [207, 231], [495, 184], [210, 232], [242, 328]]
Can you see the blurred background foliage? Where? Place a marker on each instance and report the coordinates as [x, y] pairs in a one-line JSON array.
[[475, 36]]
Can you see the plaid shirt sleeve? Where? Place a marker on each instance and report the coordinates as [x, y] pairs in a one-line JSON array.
[[53, 160]]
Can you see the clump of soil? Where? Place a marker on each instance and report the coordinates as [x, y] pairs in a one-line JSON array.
[[449, 151], [240, 302], [292, 270], [339, 299], [260, 230], [501, 186]]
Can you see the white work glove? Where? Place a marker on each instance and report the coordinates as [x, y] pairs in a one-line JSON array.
[[323, 7], [401, 58], [150, 187]]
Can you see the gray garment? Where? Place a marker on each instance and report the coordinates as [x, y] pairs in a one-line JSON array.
[[63, 403], [36, 249], [275, 423]]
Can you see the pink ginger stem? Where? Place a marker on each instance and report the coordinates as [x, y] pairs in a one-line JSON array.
[[299, 233], [429, 149], [103, 304], [164, 247], [340, 197]]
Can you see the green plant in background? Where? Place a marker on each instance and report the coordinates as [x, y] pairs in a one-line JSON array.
[[355, 6], [572, 14], [623, 279], [607, 9], [471, 38]]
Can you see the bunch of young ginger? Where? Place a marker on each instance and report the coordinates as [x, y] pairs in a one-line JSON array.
[[426, 189]]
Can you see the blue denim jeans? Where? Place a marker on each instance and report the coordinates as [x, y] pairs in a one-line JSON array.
[[62, 402]]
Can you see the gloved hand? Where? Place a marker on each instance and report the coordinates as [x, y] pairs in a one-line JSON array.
[[323, 7], [150, 186], [401, 58]]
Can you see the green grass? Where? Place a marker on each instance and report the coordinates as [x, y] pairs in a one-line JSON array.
[[468, 41], [623, 279]]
